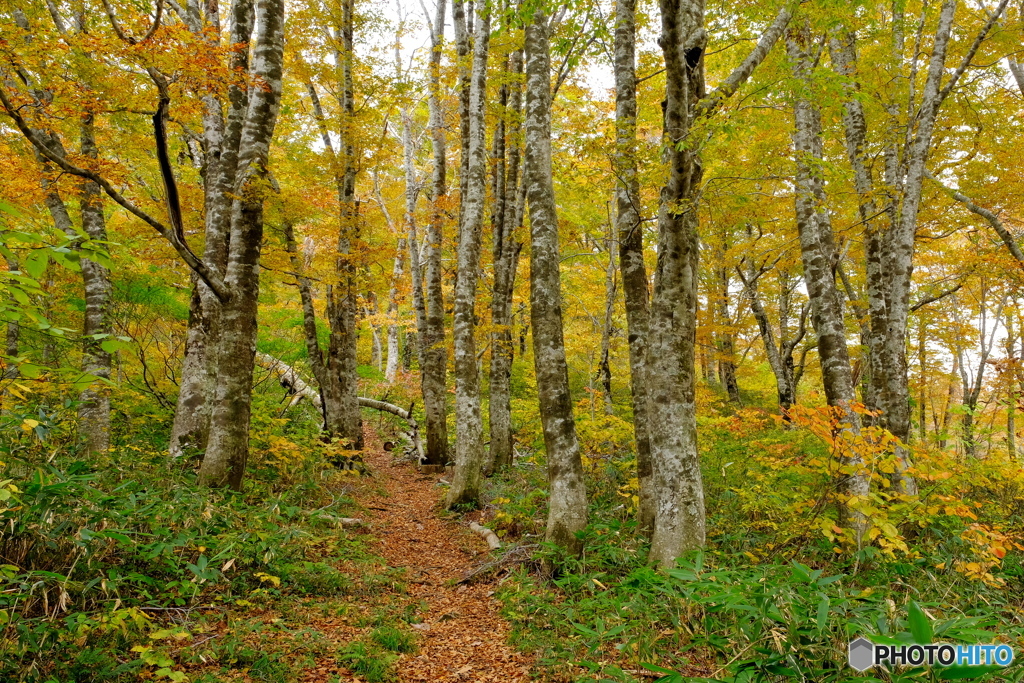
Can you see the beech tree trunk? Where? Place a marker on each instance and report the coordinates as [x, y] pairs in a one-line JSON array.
[[629, 227], [972, 385], [465, 61], [339, 387], [94, 401], [433, 354], [222, 135], [679, 523], [342, 298], [779, 353], [94, 410], [411, 194], [506, 221], [679, 514], [94, 407], [469, 447], [567, 497], [228, 447], [890, 252], [817, 246], [604, 368], [726, 339]]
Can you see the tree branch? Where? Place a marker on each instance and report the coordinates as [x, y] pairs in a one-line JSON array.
[[991, 218], [740, 74], [966, 62], [215, 283], [932, 299], [124, 36]]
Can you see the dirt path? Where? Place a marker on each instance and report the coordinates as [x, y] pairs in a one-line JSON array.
[[462, 635]]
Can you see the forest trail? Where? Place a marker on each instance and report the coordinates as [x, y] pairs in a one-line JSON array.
[[461, 637]]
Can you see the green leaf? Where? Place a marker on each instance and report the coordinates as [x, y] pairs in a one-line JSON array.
[[112, 345], [964, 672], [801, 572], [30, 370], [35, 264], [920, 624], [823, 613]]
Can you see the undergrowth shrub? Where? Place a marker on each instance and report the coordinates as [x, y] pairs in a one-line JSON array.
[[729, 622], [94, 553]]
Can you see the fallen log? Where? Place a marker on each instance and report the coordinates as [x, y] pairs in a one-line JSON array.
[[290, 379], [488, 535]]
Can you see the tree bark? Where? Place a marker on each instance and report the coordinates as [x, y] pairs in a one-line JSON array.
[[94, 410], [228, 447], [567, 498], [604, 368], [222, 136], [94, 407], [506, 223], [726, 339], [679, 515], [433, 354], [817, 246], [629, 226], [341, 380], [342, 297], [779, 353], [469, 447], [411, 195], [679, 523]]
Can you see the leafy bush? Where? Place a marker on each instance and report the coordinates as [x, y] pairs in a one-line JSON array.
[[95, 553], [773, 622]]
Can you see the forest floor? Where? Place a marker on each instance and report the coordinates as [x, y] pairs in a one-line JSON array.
[[460, 635]]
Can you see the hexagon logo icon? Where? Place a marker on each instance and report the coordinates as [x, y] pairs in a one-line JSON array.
[[862, 654]]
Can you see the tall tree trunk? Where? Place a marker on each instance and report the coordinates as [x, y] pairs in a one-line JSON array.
[[469, 447], [465, 61], [94, 410], [567, 502], [343, 297], [411, 194], [679, 523], [343, 418], [506, 221], [604, 368], [433, 354], [817, 246], [222, 136], [726, 339], [629, 227], [228, 447], [897, 255], [779, 354], [890, 253]]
